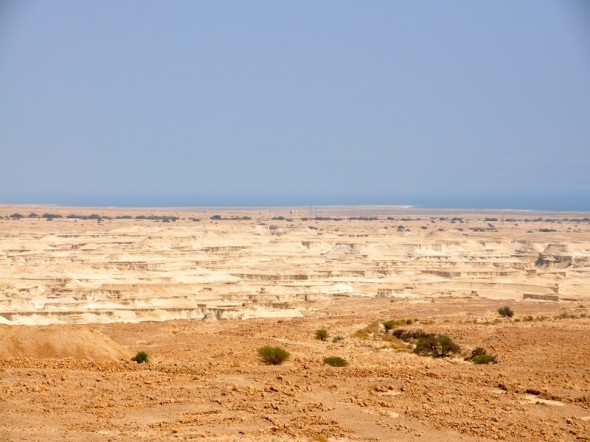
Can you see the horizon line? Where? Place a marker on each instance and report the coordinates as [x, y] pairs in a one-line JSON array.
[[287, 206]]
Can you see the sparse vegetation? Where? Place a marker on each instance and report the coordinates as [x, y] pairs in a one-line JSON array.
[[141, 357], [437, 346], [273, 355], [50, 216], [337, 339], [335, 361], [390, 325], [484, 359], [409, 335], [368, 331], [505, 312], [163, 218], [322, 334], [480, 356], [230, 218]]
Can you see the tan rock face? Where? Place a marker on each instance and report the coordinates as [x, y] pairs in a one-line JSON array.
[[127, 268]]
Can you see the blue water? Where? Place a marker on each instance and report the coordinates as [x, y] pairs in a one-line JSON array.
[[538, 202]]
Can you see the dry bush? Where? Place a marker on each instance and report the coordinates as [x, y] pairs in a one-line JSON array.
[[141, 357], [322, 334], [273, 355], [335, 361]]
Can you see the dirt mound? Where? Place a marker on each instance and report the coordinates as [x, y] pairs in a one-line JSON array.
[[58, 342]]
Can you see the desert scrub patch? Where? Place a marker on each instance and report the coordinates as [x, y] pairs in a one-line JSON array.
[[369, 331], [567, 315], [484, 359], [409, 335], [399, 346], [141, 357], [505, 312], [438, 346], [273, 355], [481, 356], [393, 340], [394, 323], [322, 334], [335, 361], [428, 344], [390, 325], [337, 339]]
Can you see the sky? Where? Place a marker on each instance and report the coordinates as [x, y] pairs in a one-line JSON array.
[[466, 104]]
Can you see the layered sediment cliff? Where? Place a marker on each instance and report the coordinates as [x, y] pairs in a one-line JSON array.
[[81, 270]]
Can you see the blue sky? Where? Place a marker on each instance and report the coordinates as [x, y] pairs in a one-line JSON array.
[[433, 103]]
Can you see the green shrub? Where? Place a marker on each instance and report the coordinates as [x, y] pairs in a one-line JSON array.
[[505, 312], [481, 356], [477, 352], [426, 346], [390, 325], [484, 359], [335, 361], [273, 355], [321, 334], [408, 335], [141, 357], [447, 346], [438, 346], [338, 339]]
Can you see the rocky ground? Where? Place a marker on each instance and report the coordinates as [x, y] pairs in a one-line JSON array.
[[205, 380]]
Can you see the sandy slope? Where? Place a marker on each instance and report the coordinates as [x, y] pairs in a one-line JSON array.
[[57, 343]]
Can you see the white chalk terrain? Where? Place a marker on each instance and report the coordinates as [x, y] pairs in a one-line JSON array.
[[278, 263]]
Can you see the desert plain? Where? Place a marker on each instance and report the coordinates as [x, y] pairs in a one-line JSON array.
[[82, 290]]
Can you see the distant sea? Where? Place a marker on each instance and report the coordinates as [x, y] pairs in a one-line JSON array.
[[542, 203]]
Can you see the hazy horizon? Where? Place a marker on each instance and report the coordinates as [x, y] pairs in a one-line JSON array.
[[581, 205], [434, 104]]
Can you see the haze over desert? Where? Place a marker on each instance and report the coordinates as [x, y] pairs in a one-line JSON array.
[[200, 290]]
